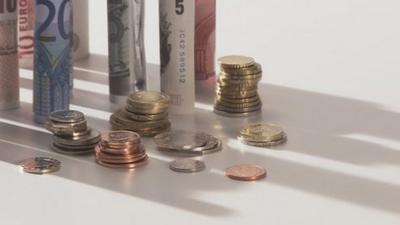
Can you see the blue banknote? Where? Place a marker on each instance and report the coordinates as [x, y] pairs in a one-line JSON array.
[[52, 59]]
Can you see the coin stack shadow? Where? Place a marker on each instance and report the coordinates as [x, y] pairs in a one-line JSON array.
[[146, 113], [72, 136], [237, 94], [187, 143], [121, 149]]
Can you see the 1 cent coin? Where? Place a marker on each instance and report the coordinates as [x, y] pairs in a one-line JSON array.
[[246, 172]]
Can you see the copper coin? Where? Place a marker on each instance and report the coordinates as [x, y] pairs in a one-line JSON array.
[[118, 148], [121, 160], [120, 137], [124, 165], [246, 172], [120, 151], [141, 150]]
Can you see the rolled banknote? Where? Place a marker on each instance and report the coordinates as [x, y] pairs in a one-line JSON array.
[[205, 39], [125, 48], [9, 71], [177, 27], [26, 23], [137, 56], [53, 36], [81, 29], [118, 49]]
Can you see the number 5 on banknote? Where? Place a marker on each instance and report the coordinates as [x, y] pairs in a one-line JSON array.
[[53, 38]]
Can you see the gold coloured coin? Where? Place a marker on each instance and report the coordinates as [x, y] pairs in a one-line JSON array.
[[236, 61], [148, 98], [250, 70], [239, 105], [260, 143], [144, 117], [262, 132]]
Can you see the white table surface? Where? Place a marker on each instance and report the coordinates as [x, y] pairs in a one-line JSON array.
[[340, 166]]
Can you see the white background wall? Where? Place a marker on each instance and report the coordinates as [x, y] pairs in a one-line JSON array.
[[339, 47]]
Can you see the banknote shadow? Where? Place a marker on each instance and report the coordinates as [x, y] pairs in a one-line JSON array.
[[91, 83], [331, 127], [154, 182], [317, 125], [95, 69], [323, 126], [83, 98]]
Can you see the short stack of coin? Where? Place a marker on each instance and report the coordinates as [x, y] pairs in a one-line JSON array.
[[146, 113], [262, 135], [237, 84], [72, 135], [121, 149], [188, 143]]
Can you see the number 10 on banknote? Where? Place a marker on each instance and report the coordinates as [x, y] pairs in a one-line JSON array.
[[9, 80], [53, 36]]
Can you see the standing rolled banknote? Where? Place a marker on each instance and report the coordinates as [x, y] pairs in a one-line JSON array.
[[81, 29], [118, 49], [53, 36], [138, 56], [9, 71], [177, 25], [126, 71], [26, 24], [205, 39]]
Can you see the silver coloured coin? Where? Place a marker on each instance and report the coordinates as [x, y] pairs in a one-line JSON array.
[[236, 115], [181, 140], [217, 148], [67, 116], [40, 165], [72, 152], [187, 165], [188, 153], [211, 143], [75, 147], [92, 138], [68, 129]]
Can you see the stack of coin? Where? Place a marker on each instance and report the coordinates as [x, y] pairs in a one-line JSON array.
[[188, 143], [146, 113], [121, 149], [262, 135], [237, 94], [72, 136]]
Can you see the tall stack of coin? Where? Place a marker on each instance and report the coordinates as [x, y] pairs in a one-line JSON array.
[[121, 149], [237, 94], [262, 135], [146, 113], [72, 136], [189, 143]]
